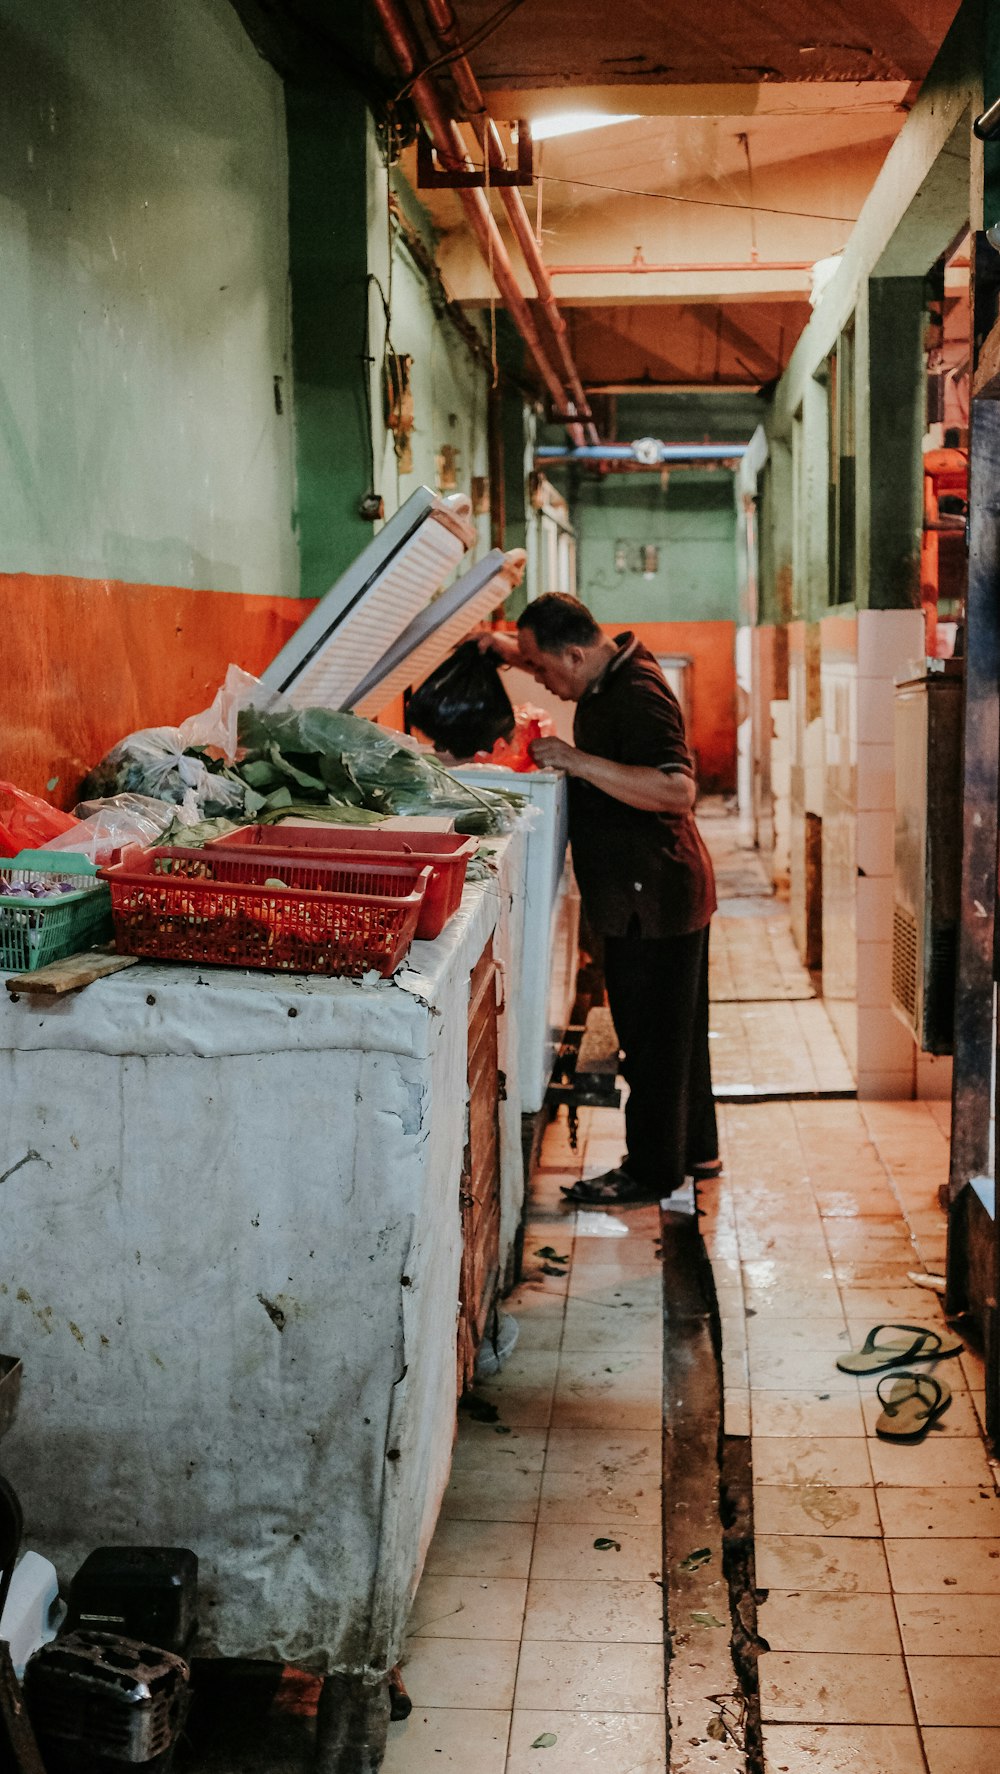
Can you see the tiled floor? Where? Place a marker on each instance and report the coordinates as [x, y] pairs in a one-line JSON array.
[[536, 1640], [881, 1561]]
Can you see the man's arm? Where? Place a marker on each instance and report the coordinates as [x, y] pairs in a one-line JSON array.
[[638, 785]]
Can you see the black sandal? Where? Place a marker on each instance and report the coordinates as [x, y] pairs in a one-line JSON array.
[[615, 1188]]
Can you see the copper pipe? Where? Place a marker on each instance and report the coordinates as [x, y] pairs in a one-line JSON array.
[[641, 269], [445, 27], [447, 139]]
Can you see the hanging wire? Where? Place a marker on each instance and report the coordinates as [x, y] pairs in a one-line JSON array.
[[809, 215], [368, 360], [470, 43]]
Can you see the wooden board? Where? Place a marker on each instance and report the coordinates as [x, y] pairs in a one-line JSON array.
[[986, 381], [70, 974]]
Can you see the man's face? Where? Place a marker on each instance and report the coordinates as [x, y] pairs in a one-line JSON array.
[[562, 673]]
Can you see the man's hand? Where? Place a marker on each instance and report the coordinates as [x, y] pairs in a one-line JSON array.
[[499, 645], [639, 785], [555, 754]]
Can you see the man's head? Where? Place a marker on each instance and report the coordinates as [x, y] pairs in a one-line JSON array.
[[561, 644]]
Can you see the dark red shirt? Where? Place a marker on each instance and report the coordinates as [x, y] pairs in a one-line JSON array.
[[640, 874]]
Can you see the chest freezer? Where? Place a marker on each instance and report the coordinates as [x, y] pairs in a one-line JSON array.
[[386, 624], [546, 973]]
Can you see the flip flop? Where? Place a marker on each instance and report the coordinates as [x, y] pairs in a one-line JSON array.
[[614, 1188], [913, 1404], [923, 1343]]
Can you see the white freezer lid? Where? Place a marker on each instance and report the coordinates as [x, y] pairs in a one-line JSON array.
[[431, 636], [381, 593]]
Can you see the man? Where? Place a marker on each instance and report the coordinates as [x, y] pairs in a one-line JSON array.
[[646, 882]]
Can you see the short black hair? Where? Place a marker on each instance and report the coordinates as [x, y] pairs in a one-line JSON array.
[[557, 621]]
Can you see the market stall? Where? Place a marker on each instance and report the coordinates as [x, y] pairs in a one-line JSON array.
[[257, 1219], [233, 1244]]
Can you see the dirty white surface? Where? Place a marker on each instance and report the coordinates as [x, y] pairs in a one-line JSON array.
[[230, 1260], [544, 982]]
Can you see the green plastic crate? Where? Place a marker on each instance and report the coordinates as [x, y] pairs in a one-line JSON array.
[[34, 931]]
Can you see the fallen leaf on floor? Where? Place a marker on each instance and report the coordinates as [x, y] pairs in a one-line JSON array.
[[549, 1269], [605, 1545], [545, 1741], [700, 1556], [553, 1255], [700, 1618], [501, 1429], [716, 1728]]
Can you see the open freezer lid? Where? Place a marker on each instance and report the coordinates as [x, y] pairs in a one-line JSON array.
[[430, 637], [379, 596]]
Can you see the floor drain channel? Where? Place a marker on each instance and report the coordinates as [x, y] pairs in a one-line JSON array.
[[713, 1714]]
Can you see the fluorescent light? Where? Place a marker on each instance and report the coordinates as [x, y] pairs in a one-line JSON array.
[[569, 123]]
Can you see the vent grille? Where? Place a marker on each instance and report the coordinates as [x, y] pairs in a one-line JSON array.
[[904, 963]]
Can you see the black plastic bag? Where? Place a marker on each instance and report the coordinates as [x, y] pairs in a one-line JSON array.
[[463, 707]]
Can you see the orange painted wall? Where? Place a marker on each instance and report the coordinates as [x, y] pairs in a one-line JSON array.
[[711, 647], [85, 661]]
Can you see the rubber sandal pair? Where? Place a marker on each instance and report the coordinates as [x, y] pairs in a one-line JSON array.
[[614, 1188], [913, 1404], [920, 1342]]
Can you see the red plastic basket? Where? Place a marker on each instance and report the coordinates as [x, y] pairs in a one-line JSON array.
[[215, 906], [446, 853]]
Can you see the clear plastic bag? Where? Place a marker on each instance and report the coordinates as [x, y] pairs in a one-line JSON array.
[[153, 762], [108, 827], [217, 728], [351, 761]]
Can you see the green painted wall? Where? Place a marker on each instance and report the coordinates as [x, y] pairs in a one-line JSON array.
[[144, 313], [354, 295], [449, 384], [328, 271], [692, 522]]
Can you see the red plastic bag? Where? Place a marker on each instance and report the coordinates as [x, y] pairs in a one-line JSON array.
[[515, 753], [26, 823]]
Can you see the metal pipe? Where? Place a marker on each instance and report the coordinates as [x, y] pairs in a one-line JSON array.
[[987, 126], [640, 268], [724, 452], [444, 24], [445, 135]]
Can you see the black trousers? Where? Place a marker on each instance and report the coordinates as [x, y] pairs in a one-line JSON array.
[[658, 996]]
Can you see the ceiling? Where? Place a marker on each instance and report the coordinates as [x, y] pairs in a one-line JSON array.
[[681, 244], [549, 43]]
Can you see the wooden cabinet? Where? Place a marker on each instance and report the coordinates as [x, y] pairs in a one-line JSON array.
[[481, 1169]]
